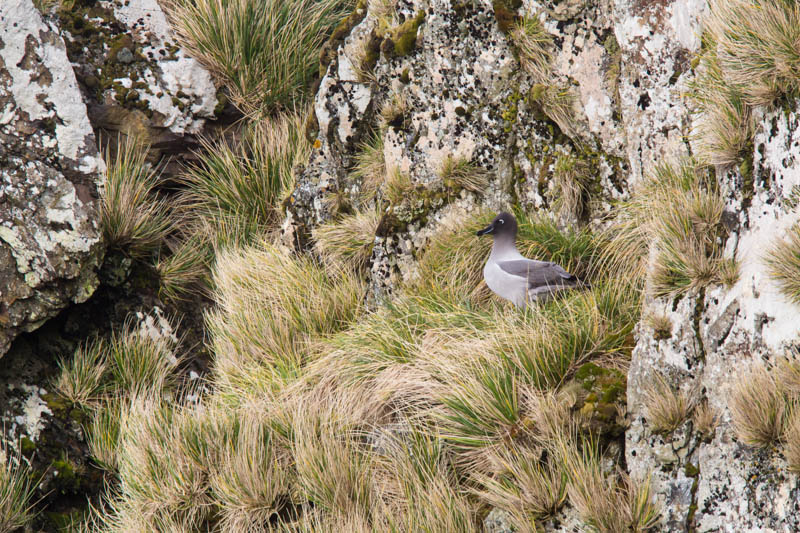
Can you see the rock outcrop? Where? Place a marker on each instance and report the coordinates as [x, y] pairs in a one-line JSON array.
[[49, 170]]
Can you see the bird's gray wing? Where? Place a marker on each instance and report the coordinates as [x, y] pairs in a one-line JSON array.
[[538, 273]]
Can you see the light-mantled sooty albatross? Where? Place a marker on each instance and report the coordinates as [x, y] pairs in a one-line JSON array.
[[517, 278]]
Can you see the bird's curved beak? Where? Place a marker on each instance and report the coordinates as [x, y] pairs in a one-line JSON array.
[[488, 230]]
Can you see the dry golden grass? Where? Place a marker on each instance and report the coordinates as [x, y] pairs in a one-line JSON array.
[[661, 325], [757, 46], [534, 47], [347, 242], [461, 173], [184, 272], [253, 477], [791, 437], [571, 178], [156, 477], [603, 503], [666, 407], [525, 484], [393, 112], [757, 407], [783, 261], [705, 419], [397, 187], [558, 103], [370, 167], [272, 305]]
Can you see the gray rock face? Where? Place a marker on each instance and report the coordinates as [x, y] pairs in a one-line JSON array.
[[460, 92], [717, 483], [49, 170]]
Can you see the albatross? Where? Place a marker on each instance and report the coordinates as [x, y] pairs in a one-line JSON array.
[[516, 278]]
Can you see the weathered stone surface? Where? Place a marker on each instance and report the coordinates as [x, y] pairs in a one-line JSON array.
[[719, 484], [136, 80], [49, 170], [461, 93]]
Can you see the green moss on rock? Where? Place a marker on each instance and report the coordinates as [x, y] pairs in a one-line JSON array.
[[401, 40], [506, 13]]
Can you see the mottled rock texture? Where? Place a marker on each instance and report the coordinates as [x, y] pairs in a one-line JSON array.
[[714, 483], [49, 172]]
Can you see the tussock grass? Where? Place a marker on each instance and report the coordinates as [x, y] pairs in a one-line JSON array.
[[679, 212], [232, 194], [783, 261], [725, 129], [132, 218], [103, 430], [661, 325], [528, 486], [534, 47], [393, 111], [155, 476], [571, 179], [272, 306], [347, 242], [183, 273], [705, 419], [333, 468], [139, 363], [757, 407], [253, 479], [397, 187], [370, 167], [791, 437], [666, 407], [265, 52], [17, 486], [461, 173], [604, 504], [558, 103], [80, 377], [757, 46], [751, 58]]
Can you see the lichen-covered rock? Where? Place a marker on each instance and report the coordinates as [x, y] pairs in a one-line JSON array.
[[49, 170], [443, 80], [715, 483], [135, 78]]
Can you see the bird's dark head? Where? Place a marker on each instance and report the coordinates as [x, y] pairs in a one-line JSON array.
[[503, 224]]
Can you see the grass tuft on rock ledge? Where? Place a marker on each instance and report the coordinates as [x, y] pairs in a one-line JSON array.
[[132, 218], [783, 260]]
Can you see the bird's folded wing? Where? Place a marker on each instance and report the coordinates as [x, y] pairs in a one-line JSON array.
[[538, 273]]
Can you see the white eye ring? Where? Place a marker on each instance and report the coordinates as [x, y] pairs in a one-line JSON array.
[[502, 221]]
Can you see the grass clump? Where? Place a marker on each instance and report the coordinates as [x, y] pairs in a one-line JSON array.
[[265, 52], [751, 58], [183, 273], [132, 218], [572, 179], [783, 260], [534, 47], [757, 407], [791, 436], [604, 504], [16, 491], [370, 167], [81, 377], [273, 306], [232, 194], [461, 173], [678, 211], [666, 408], [347, 242]]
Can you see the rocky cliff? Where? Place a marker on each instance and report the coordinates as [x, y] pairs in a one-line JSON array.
[[418, 88]]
